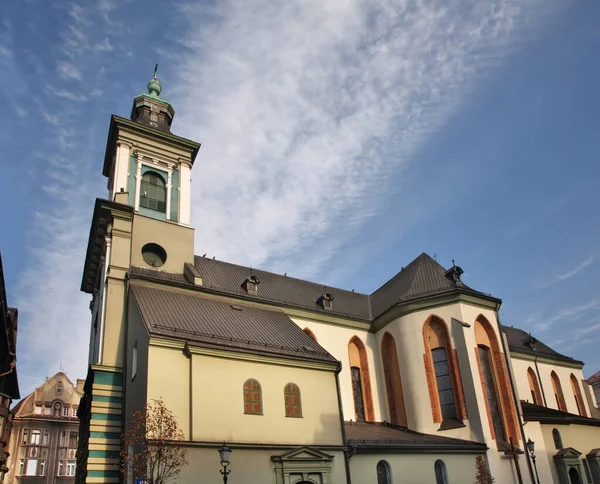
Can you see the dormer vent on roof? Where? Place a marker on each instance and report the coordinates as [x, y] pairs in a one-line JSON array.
[[326, 301], [250, 285], [530, 342], [454, 274]]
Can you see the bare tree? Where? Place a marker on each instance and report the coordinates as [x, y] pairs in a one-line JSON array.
[[153, 445]]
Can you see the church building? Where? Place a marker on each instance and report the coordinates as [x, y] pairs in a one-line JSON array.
[[305, 383]]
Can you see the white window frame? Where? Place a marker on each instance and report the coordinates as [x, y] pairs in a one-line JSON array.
[[60, 468], [46, 438], [31, 467], [36, 435], [42, 467], [66, 411], [21, 466], [73, 412], [70, 468]]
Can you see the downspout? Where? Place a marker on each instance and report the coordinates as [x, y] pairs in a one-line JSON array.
[[341, 412], [537, 370], [514, 392], [104, 298]]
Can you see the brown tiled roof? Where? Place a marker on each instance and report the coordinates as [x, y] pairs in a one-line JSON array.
[[364, 435], [421, 278], [521, 342], [532, 412], [200, 319], [595, 378]]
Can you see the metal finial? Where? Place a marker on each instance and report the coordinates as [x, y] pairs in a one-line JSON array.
[[453, 262], [155, 69]]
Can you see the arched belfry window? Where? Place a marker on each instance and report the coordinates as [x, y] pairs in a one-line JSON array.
[[384, 472], [558, 392], [393, 382], [578, 397], [361, 380], [441, 475], [494, 383], [153, 192], [558, 444], [534, 387], [441, 369]]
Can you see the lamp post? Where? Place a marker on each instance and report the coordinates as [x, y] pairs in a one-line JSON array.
[[531, 447], [224, 453]]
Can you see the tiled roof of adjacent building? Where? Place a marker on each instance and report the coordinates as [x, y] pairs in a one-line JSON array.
[[422, 278], [209, 322], [595, 378], [532, 412], [521, 342], [364, 435]]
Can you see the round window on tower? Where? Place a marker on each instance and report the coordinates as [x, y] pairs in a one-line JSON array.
[[154, 255]]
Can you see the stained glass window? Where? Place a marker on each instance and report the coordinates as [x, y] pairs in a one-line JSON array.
[[444, 385], [384, 473], [293, 405], [359, 407], [490, 392], [252, 397], [153, 193]]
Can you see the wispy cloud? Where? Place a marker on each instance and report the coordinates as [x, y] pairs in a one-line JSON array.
[[307, 111], [569, 314], [68, 71], [576, 270]]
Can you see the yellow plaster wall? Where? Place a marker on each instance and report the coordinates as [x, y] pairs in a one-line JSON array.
[[168, 379], [248, 466], [178, 242], [114, 324], [218, 403]]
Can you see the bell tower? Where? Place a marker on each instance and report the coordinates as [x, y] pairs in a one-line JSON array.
[[144, 222]]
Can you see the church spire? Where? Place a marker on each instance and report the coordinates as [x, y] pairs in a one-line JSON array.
[[152, 110]]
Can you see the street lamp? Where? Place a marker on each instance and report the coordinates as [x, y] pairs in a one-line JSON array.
[[224, 453], [531, 447]]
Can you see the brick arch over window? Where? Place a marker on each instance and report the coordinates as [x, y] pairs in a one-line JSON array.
[[361, 380], [577, 395], [494, 378], [393, 382], [436, 337], [311, 334], [534, 387], [558, 392]]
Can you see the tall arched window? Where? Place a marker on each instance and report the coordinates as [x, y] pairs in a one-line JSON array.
[[534, 387], [578, 397], [153, 192], [493, 374], [441, 476], [557, 439], [384, 472], [293, 403], [393, 383], [558, 393], [441, 368], [311, 334], [361, 381], [252, 397]]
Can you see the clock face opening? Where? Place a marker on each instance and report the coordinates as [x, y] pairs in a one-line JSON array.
[[154, 255]]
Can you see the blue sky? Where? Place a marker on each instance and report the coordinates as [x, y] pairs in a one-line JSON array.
[[340, 140]]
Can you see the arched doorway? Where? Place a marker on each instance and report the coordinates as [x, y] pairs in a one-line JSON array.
[[574, 477]]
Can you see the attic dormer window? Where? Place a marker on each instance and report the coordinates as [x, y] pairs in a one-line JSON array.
[[251, 284], [326, 301], [454, 274]]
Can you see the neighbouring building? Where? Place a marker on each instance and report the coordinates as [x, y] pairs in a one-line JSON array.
[[45, 433], [594, 381], [9, 385], [305, 383]]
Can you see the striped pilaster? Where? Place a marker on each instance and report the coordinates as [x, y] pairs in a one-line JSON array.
[[105, 426]]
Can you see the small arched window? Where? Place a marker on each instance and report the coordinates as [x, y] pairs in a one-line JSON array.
[[557, 439], [578, 397], [384, 472], [153, 192], [441, 476], [558, 393], [361, 381], [59, 387], [293, 403], [252, 397]]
